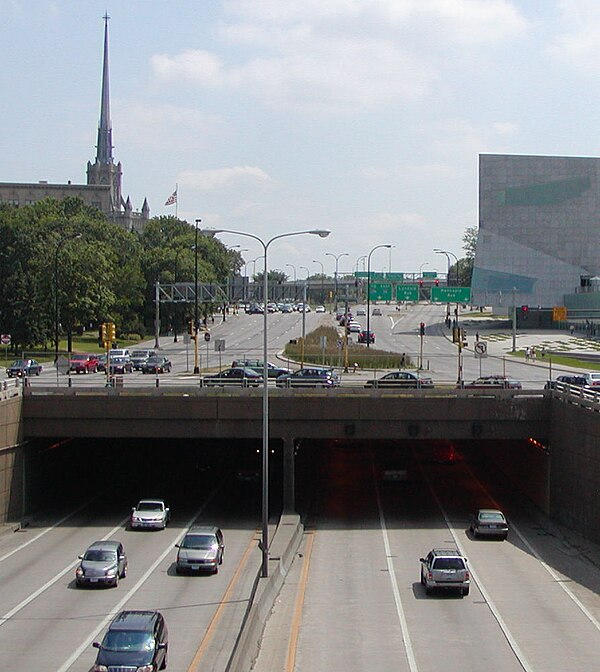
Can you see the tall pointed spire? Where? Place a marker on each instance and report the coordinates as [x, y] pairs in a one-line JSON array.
[[104, 146]]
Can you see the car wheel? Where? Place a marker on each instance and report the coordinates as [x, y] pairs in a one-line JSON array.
[[475, 534], [163, 665], [116, 581], [177, 570], [505, 537], [124, 572], [465, 591], [428, 590]]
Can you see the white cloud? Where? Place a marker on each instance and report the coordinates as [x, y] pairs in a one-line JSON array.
[[505, 127], [223, 178], [577, 43]]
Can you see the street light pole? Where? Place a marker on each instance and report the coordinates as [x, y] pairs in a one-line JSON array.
[[295, 278], [316, 261], [337, 258], [322, 233], [377, 247], [196, 362], [61, 241]]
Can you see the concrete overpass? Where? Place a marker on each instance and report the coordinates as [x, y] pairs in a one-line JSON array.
[[559, 430]]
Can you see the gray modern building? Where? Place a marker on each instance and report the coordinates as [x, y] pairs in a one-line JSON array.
[[539, 220], [103, 188]]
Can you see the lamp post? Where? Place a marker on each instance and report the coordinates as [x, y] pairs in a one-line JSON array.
[[61, 241], [448, 254], [253, 262], [316, 261], [337, 258], [377, 247], [295, 279], [322, 233], [196, 362]]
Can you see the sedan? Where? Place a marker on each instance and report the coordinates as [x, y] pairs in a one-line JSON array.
[[235, 376], [309, 377], [156, 364], [104, 563], [366, 337], [407, 379], [489, 523], [21, 368], [120, 365]]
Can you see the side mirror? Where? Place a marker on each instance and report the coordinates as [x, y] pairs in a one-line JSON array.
[[177, 545], [121, 557], [421, 559], [96, 645], [80, 557], [162, 645], [132, 509]]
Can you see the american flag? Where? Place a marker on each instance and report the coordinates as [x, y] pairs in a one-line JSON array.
[[172, 198]]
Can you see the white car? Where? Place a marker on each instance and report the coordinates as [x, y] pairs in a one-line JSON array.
[[320, 309], [354, 328], [150, 514]]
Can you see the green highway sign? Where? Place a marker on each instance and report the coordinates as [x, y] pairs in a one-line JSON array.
[[451, 294], [429, 274], [361, 274], [394, 277], [407, 293], [379, 291]]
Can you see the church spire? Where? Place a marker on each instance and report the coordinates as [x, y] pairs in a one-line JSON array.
[[104, 146]]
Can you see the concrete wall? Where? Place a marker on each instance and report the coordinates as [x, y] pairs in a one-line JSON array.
[[11, 455]]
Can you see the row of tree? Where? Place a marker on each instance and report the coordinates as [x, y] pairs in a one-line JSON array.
[[62, 263]]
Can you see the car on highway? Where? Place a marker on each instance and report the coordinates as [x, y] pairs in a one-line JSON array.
[[309, 376], [376, 312], [103, 563], [565, 381], [257, 365], [150, 514], [236, 376], [138, 357], [157, 364], [120, 365], [406, 379], [493, 383], [360, 312], [354, 327], [592, 378], [445, 569], [83, 363], [364, 338], [200, 550], [21, 368], [489, 523], [135, 641], [320, 309]]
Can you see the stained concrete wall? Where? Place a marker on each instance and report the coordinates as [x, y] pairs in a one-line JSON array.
[[11, 455]]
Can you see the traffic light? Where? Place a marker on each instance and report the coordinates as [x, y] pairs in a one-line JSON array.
[[112, 332], [422, 329], [437, 282], [104, 332], [524, 311], [463, 336], [420, 283]]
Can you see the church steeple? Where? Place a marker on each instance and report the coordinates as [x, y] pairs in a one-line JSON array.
[[104, 146]]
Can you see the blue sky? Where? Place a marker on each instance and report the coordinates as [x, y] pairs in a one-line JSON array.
[[365, 117]]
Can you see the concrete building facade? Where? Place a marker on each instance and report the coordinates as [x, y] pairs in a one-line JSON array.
[[538, 240], [103, 189]]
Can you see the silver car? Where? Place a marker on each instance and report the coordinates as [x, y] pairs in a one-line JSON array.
[[489, 523], [150, 514], [200, 550], [445, 569], [104, 563]]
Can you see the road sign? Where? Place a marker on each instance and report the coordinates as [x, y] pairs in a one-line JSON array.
[[379, 291], [219, 345], [559, 314], [207, 336], [62, 364], [407, 293], [395, 277], [340, 343], [5, 339], [451, 294], [429, 274], [480, 349]]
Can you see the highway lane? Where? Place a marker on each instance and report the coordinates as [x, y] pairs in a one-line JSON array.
[[48, 623], [533, 604]]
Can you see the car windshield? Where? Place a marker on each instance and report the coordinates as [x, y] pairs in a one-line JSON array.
[[149, 506], [449, 563], [200, 541], [128, 640], [491, 516], [19, 362], [96, 555]]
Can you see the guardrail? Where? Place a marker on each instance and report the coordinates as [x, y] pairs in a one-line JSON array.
[[10, 388]]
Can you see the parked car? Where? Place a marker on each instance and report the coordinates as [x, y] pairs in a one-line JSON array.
[[445, 569], [592, 378], [150, 514], [489, 523], [235, 376], [120, 365], [201, 549], [138, 357], [376, 312], [407, 379], [83, 363], [363, 338], [309, 376], [494, 382], [576, 381], [157, 364], [135, 640], [21, 368], [257, 365], [103, 563]]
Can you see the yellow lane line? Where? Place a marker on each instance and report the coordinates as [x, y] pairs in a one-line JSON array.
[[290, 661], [210, 631]]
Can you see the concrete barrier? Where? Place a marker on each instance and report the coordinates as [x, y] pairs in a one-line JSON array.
[[283, 548]]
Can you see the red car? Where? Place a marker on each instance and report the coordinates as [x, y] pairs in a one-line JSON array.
[[83, 363], [363, 338]]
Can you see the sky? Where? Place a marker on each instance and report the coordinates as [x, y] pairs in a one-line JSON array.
[[363, 117]]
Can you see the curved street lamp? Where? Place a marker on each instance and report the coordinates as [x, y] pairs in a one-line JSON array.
[[322, 233], [437, 250], [59, 244], [377, 247], [316, 261], [337, 258]]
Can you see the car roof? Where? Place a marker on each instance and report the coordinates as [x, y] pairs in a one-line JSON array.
[[447, 551], [203, 529], [152, 499], [490, 511], [106, 545], [134, 620]]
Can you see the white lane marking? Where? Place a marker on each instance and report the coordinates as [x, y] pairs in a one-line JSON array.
[[54, 579], [410, 655], [91, 638], [512, 642], [48, 529]]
